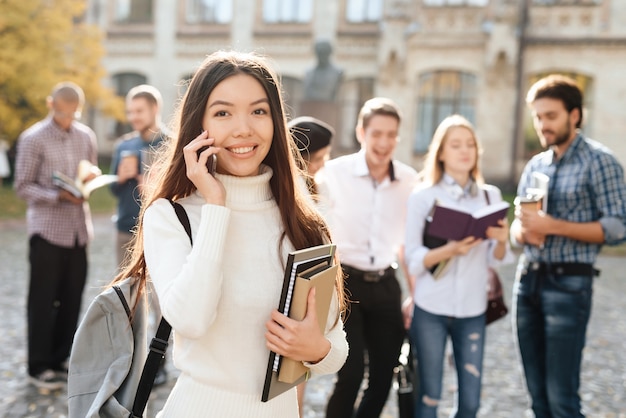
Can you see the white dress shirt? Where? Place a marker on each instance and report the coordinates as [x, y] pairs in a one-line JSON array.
[[366, 219]]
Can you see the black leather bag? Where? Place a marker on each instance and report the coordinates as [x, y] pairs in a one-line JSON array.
[[496, 307], [431, 242], [406, 381]]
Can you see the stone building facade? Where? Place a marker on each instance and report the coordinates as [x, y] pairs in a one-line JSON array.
[[433, 57]]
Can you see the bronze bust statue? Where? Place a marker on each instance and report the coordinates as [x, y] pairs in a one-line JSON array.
[[322, 81]]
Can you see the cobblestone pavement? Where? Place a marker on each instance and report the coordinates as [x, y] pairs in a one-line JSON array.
[[604, 370]]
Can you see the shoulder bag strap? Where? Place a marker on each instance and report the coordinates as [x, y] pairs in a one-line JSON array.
[[158, 345]]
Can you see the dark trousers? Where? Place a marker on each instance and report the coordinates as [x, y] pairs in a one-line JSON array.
[[373, 326], [57, 279]]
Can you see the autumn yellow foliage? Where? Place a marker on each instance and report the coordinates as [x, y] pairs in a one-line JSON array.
[[42, 43]]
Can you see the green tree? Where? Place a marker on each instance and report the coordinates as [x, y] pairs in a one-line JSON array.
[[44, 42]]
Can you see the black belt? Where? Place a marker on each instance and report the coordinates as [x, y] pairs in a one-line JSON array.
[[564, 269], [370, 276]]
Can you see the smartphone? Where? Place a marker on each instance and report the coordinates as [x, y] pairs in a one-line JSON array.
[[211, 163]]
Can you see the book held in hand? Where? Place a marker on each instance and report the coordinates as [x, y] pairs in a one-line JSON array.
[[322, 278], [456, 225], [88, 179], [306, 268]]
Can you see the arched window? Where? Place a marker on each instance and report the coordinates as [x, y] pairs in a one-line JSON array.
[[122, 83], [355, 92], [292, 94], [441, 94]]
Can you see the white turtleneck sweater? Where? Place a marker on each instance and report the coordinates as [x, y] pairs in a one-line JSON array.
[[218, 294]]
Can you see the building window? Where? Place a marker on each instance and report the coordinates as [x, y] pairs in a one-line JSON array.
[[441, 94], [292, 94], [355, 92], [122, 83], [208, 11], [565, 2], [456, 2], [133, 11], [287, 11], [361, 11]]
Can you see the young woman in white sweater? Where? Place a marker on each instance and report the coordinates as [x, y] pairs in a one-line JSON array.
[[221, 295]]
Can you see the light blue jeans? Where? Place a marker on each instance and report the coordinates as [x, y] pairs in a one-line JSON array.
[[429, 334], [551, 316]]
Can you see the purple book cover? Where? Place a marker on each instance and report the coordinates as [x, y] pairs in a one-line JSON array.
[[454, 224]]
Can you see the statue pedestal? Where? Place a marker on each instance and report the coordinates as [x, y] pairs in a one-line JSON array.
[[326, 111]]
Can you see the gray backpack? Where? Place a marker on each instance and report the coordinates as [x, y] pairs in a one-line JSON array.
[[110, 371]]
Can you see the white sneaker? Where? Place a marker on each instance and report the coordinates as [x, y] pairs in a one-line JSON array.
[[48, 379]]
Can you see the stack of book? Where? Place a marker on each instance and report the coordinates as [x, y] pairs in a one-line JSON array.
[[306, 269]]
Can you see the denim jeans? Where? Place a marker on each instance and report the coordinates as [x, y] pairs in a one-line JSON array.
[[429, 334], [551, 313]]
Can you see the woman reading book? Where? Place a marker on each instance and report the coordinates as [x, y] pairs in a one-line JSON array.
[[450, 299], [220, 296]]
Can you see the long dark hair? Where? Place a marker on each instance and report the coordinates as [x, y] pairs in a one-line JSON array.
[[303, 226]]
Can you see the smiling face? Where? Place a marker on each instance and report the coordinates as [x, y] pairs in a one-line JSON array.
[[238, 116], [459, 152], [379, 138], [142, 115]]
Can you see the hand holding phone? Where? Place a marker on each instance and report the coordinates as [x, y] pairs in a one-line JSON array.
[[211, 163]]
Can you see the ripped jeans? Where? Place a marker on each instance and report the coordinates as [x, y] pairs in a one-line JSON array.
[[429, 334]]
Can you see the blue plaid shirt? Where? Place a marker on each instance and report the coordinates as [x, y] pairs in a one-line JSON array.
[[586, 185]]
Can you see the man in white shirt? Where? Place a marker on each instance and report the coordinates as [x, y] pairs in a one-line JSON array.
[[366, 196]]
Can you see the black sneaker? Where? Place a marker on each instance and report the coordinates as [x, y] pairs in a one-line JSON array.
[[48, 379]]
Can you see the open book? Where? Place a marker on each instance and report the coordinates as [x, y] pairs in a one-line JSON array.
[[310, 267], [455, 224], [80, 187]]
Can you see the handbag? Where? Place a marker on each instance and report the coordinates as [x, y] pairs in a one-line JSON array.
[[431, 242], [496, 308], [405, 381]]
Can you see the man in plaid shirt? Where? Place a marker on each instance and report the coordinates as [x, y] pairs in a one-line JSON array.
[[586, 208], [59, 227]]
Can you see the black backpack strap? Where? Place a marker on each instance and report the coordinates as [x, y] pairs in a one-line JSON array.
[[183, 218], [158, 345], [120, 294]]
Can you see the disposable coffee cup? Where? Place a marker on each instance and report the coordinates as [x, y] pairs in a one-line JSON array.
[[528, 202]]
